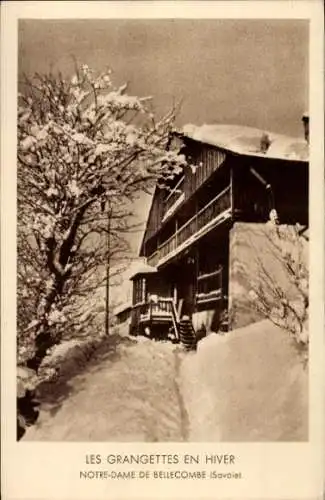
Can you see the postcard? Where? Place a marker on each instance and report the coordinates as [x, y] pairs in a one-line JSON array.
[[162, 253]]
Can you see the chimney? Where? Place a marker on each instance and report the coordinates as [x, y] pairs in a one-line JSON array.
[[305, 121], [265, 143]]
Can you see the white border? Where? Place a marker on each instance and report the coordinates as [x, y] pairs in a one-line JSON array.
[[274, 470]]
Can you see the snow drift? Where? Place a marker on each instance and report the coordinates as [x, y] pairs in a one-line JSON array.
[[249, 385]]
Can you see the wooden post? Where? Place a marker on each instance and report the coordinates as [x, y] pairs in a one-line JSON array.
[[196, 275], [232, 204], [108, 248], [175, 293]]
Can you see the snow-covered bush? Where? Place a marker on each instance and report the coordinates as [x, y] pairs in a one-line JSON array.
[[284, 301]]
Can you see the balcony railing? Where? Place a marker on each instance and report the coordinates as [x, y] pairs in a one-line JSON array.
[[169, 246], [209, 287], [198, 222], [161, 310]]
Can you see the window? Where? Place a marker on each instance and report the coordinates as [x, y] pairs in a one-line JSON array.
[[139, 290], [210, 276]]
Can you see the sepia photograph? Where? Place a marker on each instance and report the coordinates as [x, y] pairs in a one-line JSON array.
[[163, 230]]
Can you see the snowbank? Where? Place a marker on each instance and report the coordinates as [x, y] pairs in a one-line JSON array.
[[127, 394], [248, 385], [64, 361]]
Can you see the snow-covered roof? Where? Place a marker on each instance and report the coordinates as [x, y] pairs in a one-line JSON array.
[[143, 269], [247, 141]]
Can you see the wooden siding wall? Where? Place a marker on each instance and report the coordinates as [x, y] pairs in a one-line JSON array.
[[205, 160], [155, 215]]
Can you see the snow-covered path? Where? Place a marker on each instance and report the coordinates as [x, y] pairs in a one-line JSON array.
[[129, 393], [249, 385]]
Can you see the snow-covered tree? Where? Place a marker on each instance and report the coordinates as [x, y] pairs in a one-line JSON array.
[[85, 150]]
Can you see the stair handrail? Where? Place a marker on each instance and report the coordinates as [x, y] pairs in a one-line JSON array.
[[175, 319]]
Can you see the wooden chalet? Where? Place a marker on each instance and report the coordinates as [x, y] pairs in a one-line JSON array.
[[234, 174]]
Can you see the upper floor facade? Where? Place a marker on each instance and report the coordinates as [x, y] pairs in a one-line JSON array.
[[232, 173]]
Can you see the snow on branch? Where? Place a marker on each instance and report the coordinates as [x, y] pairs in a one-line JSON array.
[[283, 295]]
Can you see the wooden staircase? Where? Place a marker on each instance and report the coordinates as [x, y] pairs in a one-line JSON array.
[[184, 330], [186, 333]]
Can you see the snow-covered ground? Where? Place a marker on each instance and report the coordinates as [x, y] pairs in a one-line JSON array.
[[249, 385], [128, 393]]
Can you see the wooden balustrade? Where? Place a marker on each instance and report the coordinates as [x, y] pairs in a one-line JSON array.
[[208, 213], [214, 208], [159, 311], [210, 282], [169, 246], [160, 307]]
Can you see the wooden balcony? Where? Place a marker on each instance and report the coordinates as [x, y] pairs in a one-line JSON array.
[[160, 312], [216, 210], [156, 311]]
